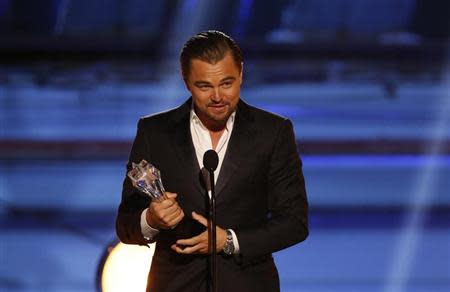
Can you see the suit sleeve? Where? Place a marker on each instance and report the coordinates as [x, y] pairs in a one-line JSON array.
[[287, 223], [133, 202]]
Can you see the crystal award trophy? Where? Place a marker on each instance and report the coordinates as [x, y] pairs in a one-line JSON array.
[[147, 179]]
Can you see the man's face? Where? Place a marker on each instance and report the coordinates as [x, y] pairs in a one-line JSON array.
[[215, 90]]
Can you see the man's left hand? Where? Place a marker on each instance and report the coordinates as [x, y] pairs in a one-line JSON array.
[[199, 244]]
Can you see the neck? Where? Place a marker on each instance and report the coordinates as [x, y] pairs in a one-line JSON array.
[[212, 125], [215, 137]]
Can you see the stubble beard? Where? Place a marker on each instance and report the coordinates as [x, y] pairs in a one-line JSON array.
[[217, 122]]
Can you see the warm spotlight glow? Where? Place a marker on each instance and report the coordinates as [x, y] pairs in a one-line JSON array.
[[126, 268]]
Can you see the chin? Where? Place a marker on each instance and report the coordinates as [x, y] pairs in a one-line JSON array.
[[221, 118]]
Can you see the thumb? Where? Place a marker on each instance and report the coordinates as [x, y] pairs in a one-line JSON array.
[[171, 195], [199, 218]]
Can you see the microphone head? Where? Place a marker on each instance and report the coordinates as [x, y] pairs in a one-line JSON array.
[[210, 160]]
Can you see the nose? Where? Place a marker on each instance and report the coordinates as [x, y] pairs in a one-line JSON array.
[[215, 97]]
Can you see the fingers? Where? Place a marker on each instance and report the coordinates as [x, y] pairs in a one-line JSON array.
[[165, 214], [199, 244], [171, 195], [174, 218], [162, 212], [171, 200], [202, 220], [197, 249], [193, 240], [193, 245], [168, 218], [167, 202]]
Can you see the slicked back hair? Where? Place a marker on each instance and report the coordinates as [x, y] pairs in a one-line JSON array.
[[209, 46]]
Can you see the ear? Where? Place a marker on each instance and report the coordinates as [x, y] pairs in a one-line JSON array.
[[186, 84], [241, 74]]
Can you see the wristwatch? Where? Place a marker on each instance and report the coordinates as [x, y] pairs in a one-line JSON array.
[[228, 248]]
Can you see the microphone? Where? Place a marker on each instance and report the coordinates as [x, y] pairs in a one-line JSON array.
[[210, 160]]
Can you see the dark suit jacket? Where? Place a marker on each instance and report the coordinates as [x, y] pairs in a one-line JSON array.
[[260, 194]]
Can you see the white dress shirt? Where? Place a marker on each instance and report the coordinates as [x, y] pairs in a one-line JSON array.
[[202, 142]]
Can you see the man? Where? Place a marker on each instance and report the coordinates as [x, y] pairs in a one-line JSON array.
[[261, 204]]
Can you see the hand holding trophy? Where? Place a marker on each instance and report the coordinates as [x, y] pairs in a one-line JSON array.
[[147, 179]]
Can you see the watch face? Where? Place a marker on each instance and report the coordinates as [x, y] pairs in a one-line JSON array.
[[228, 248]]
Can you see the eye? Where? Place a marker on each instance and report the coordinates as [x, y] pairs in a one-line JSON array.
[[227, 84], [204, 87]]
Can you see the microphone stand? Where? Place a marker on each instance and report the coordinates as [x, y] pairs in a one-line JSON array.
[[212, 233], [210, 162]]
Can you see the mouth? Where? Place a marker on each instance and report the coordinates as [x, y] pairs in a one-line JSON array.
[[218, 107]]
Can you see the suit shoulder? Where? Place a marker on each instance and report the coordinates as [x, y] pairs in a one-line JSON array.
[[159, 115], [266, 117], [160, 118]]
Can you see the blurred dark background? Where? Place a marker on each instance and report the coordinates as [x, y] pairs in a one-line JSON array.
[[366, 84]]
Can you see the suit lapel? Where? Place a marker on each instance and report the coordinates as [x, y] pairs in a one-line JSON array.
[[239, 140], [184, 147]]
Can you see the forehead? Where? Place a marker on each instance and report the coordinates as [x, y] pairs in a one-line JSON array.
[[203, 70]]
